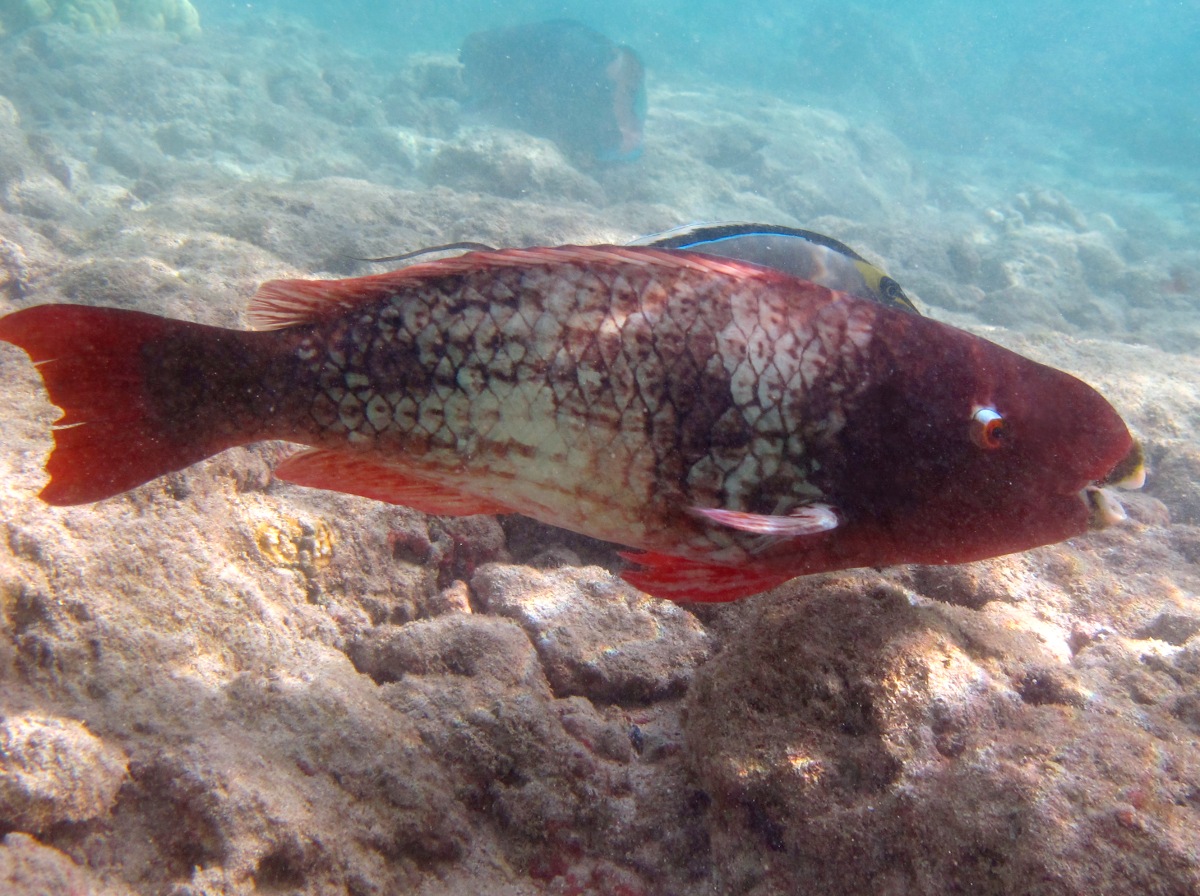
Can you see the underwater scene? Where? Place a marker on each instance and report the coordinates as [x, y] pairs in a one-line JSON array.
[[634, 448]]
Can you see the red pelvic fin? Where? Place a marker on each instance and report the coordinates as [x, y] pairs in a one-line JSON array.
[[344, 471], [679, 579], [108, 439]]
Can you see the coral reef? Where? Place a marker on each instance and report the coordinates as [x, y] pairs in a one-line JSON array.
[[219, 683], [178, 16]]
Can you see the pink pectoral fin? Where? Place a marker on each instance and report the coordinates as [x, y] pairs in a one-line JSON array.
[[342, 471], [679, 579], [808, 520]]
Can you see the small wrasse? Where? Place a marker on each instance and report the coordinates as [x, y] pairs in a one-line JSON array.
[[734, 425], [802, 253]]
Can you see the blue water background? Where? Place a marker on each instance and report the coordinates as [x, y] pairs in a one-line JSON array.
[[1116, 76]]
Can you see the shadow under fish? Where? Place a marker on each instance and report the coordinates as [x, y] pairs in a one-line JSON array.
[[561, 80]]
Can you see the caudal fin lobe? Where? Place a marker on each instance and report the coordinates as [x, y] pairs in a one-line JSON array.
[[131, 389]]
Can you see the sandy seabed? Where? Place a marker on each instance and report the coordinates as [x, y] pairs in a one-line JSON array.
[[220, 684]]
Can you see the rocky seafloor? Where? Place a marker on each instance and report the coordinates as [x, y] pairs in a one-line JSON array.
[[221, 684]]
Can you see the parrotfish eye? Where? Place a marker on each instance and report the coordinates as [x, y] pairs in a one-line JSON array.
[[988, 429]]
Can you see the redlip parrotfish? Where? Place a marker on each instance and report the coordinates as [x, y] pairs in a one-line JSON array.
[[561, 80], [733, 425], [802, 253]]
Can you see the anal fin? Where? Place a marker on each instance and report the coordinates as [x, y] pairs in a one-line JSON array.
[[683, 580], [344, 471]]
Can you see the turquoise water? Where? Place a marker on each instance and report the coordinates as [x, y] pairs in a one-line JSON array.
[[1120, 75]]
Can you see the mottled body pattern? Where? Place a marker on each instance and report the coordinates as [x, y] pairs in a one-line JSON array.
[[739, 425], [609, 398]]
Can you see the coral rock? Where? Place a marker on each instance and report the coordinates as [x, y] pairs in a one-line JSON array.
[[27, 868], [597, 636], [855, 717], [54, 770]]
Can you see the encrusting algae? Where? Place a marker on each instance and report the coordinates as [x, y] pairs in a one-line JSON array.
[[291, 543]]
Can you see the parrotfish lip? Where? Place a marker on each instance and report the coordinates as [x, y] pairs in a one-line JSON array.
[[1130, 471], [1104, 507]]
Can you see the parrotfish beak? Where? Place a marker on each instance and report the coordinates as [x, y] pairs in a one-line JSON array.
[[1104, 508]]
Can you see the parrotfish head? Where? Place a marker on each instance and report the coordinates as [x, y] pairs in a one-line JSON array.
[[959, 449]]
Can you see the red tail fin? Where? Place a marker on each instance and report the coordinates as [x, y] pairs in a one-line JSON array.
[[113, 433]]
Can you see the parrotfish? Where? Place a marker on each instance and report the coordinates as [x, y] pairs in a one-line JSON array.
[[733, 425], [562, 80]]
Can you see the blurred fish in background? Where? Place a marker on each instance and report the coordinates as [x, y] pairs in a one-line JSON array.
[[561, 80]]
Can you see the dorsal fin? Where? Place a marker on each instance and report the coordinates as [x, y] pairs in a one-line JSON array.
[[288, 303]]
